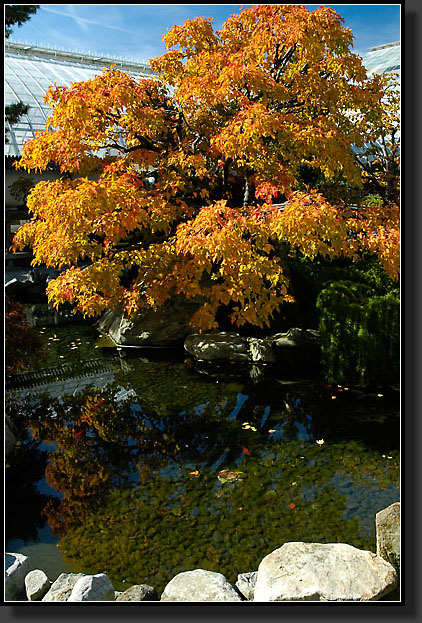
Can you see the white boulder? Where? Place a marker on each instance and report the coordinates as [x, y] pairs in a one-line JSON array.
[[93, 588], [199, 585], [62, 588], [17, 566], [300, 571], [36, 585]]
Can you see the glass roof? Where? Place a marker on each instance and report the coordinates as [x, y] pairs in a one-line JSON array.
[[30, 71], [383, 59]]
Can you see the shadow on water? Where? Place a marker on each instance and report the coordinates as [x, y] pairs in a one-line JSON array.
[[162, 467]]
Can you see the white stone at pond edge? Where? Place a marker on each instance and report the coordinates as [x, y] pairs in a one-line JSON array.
[[36, 585], [17, 566], [139, 592], [93, 588], [387, 523], [62, 588], [323, 572], [199, 585], [246, 584]]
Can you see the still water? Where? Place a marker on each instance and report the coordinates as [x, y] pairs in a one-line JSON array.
[[140, 464]]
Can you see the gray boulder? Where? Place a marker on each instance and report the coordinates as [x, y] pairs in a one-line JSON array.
[[323, 572], [217, 346], [139, 592], [62, 588], [17, 566], [260, 351], [93, 588], [200, 585], [296, 345], [165, 327], [36, 585], [387, 523], [245, 583]]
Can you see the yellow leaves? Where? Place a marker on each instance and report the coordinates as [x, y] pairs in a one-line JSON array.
[[275, 89]]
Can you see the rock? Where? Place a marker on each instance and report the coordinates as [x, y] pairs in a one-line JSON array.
[[139, 592], [199, 585], [387, 524], [218, 346], [302, 342], [17, 566], [260, 351], [296, 347], [62, 588], [166, 327], [323, 572], [245, 583], [93, 588], [36, 585]]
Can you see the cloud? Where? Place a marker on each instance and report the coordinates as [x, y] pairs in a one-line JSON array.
[[83, 22]]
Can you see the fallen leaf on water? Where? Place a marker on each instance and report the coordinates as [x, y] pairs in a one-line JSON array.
[[227, 475], [292, 505], [194, 473], [272, 430], [246, 451]]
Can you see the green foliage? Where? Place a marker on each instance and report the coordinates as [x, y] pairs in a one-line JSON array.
[[360, 334]]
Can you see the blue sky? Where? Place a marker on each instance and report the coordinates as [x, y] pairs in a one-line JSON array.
[[135, 31]]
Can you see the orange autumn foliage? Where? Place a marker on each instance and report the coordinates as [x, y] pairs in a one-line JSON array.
[[173, 179]]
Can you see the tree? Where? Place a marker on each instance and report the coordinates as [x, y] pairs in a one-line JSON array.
[[170, 184], [380, 157], [22, 342], [17, 14]]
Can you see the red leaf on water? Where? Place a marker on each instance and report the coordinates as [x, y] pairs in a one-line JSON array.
[[292, 505], [246, 451], [78, 435]]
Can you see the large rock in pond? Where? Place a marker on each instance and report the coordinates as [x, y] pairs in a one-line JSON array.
[[17, 566], [323, 572], [222, 346], [387, 524], [297, 347], [167, 326], [200, 585]]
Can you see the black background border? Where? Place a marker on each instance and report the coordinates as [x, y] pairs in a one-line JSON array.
[[409, 609]]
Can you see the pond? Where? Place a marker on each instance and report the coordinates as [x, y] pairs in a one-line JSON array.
[[141, 464]]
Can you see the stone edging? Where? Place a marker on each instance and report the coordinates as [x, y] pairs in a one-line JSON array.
[[296, 571]]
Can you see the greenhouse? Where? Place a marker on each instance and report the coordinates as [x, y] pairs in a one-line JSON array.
[[30, 71]]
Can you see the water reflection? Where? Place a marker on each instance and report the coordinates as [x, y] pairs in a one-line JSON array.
[[136, 465]]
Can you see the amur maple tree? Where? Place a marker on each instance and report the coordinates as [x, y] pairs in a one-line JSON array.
[[188, 182]]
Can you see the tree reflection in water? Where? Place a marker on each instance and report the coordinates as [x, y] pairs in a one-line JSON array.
[[137, 464]]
